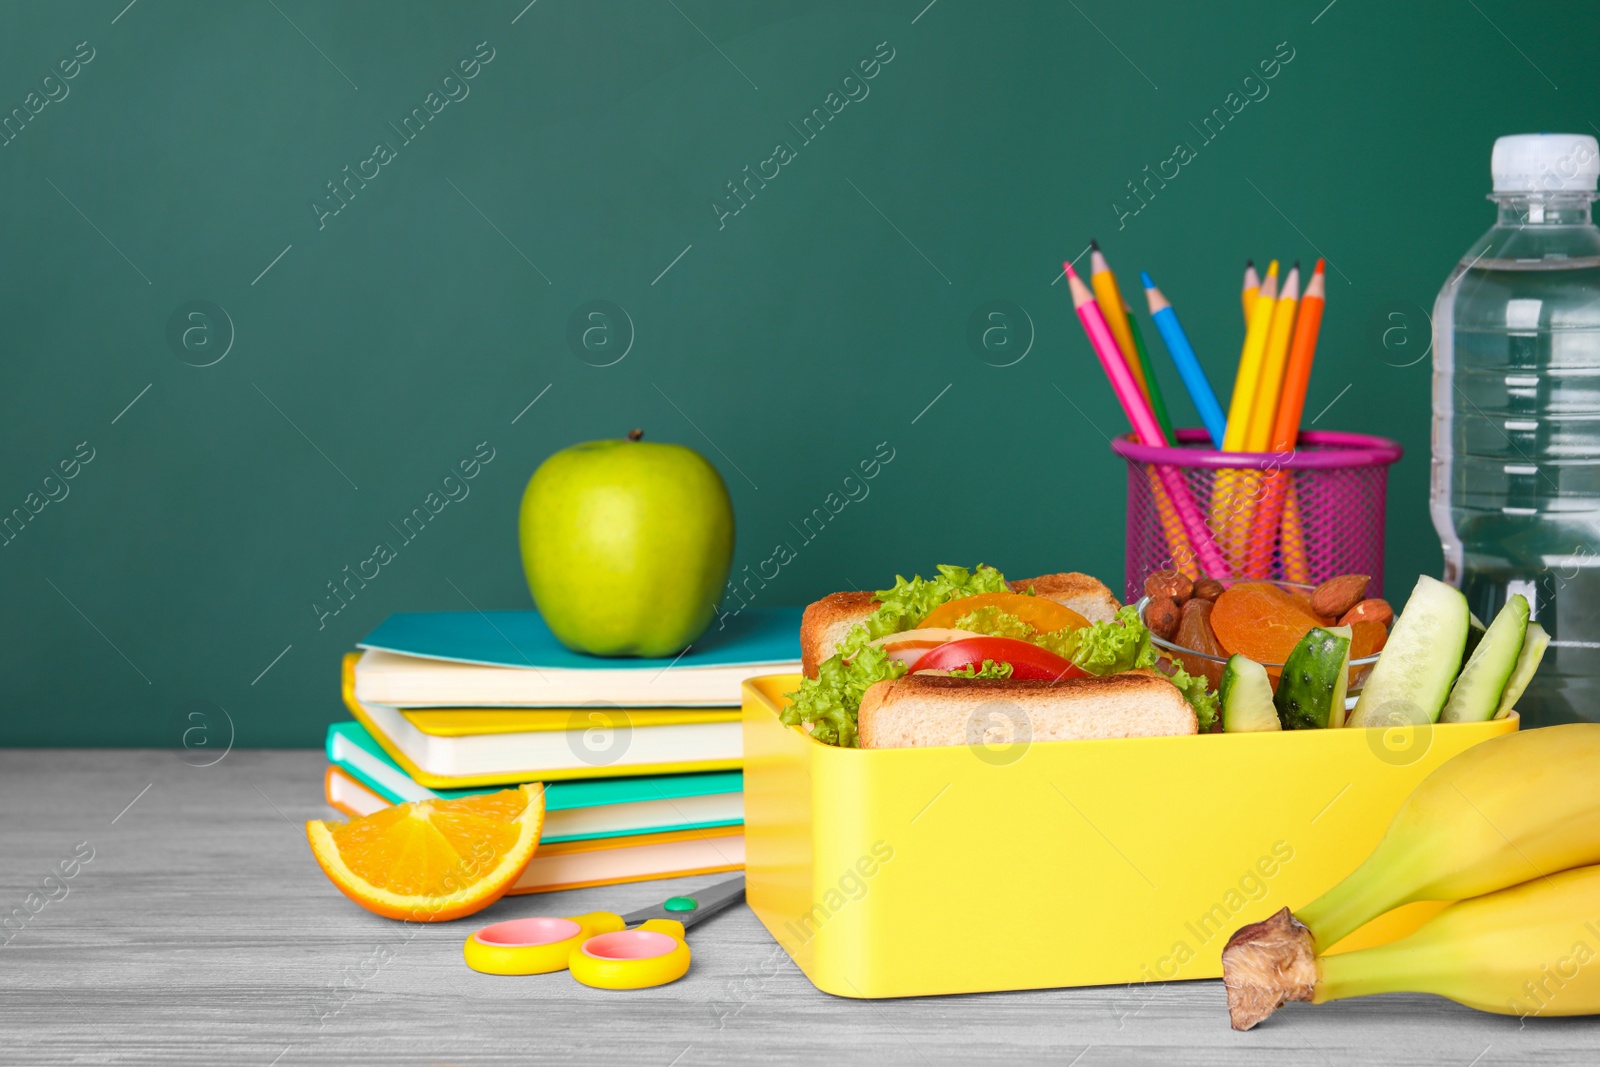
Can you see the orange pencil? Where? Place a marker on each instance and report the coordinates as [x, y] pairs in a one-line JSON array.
[[1297, 375], [1252, 285], [1278, 508], [1287, 430]]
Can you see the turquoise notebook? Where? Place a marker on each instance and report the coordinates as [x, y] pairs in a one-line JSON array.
[[521, 639], [604, 807]]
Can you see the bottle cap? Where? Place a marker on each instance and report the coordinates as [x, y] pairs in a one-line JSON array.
[[1545, 163]]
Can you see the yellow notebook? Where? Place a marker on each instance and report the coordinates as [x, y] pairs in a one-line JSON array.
[[464, 722], [467, 760]]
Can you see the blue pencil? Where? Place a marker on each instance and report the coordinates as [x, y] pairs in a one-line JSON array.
[[1189, 369]]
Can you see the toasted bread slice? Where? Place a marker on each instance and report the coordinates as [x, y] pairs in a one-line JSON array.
[[922, 710], [1083, 593], [825, 624], [827, 621]]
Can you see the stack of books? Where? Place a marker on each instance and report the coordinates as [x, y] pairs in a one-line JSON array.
[[640, 758]]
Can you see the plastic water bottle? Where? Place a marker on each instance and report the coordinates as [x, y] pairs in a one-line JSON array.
[[1516, 414]]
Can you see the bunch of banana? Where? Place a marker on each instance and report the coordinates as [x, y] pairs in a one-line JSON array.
[[1510, 830]]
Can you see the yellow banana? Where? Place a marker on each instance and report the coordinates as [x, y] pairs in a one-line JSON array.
[[1532, 949], [1502, 812], [1514, 808]]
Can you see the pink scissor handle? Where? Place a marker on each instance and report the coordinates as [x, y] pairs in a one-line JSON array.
[[631, 945], [651, 955], [535, 945], [529, 933]]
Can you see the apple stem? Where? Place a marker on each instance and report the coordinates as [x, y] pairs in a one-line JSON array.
[[635, 435]]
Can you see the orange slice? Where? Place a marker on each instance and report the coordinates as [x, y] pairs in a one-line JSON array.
[[432, 860], [1042, 613]]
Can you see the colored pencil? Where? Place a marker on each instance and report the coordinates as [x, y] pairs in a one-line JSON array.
[[1145, 427], [1257, 527], [1264, 410], [1117, 370], [1158, 403], [1109, 297], [1257, 538], [1287, 430], [1184, 358], [1228, 517], [1275, 518], [1249, 375], [1252, 285], [1297, 375]]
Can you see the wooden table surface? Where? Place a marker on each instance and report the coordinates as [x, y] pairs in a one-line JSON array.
[[201, 932]]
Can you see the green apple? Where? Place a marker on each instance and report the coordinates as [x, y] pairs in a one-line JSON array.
[[626, 545]]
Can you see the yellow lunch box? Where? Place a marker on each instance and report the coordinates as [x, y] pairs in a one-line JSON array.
[[920, 871]]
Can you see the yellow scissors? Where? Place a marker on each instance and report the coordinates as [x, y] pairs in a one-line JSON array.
[[598, 948]]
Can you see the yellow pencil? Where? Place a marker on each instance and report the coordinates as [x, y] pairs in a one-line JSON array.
[[1264, 410], [1109, 297], [1252, 285], [1230, 513], [1255, 345]]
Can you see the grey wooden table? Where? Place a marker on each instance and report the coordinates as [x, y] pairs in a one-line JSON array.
[[201, 932]]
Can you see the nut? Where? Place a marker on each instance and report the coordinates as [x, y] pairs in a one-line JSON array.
[[1338, 595], [1207, 589], [1172, 584], [1373, 610], [1161, 615]]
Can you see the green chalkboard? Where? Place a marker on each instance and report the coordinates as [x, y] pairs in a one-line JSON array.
[[273, 270]]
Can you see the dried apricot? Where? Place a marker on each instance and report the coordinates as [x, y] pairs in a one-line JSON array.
[[1367, 638], [1194, 632], [1260, 621]]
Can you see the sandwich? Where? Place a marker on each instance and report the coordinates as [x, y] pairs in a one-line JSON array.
[[969, 658]]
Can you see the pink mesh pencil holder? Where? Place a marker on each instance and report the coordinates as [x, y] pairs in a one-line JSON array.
[[1302, 516]]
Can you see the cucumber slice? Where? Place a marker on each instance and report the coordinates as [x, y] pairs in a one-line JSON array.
[[1246, 695], [1338, 713], [1475, 632], [1412, 678], [1533, 646], [1476, 695], [1311, 692]]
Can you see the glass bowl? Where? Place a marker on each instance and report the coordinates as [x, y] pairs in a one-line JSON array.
[[1196, 662]]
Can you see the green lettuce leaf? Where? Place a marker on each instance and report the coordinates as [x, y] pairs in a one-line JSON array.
[[993, 622], [1104, 647], [909, 602], [990, 669], [831, 700], [1194, 690]]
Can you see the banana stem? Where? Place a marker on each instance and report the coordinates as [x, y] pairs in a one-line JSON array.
[[1346, 908], [1394, 968], [1382, 883]]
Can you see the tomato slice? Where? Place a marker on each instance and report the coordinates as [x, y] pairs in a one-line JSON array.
[[1042, 613], [1027, 660]]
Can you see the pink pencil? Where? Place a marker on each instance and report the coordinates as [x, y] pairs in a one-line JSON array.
[[1105, 346], [1144, 422]]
